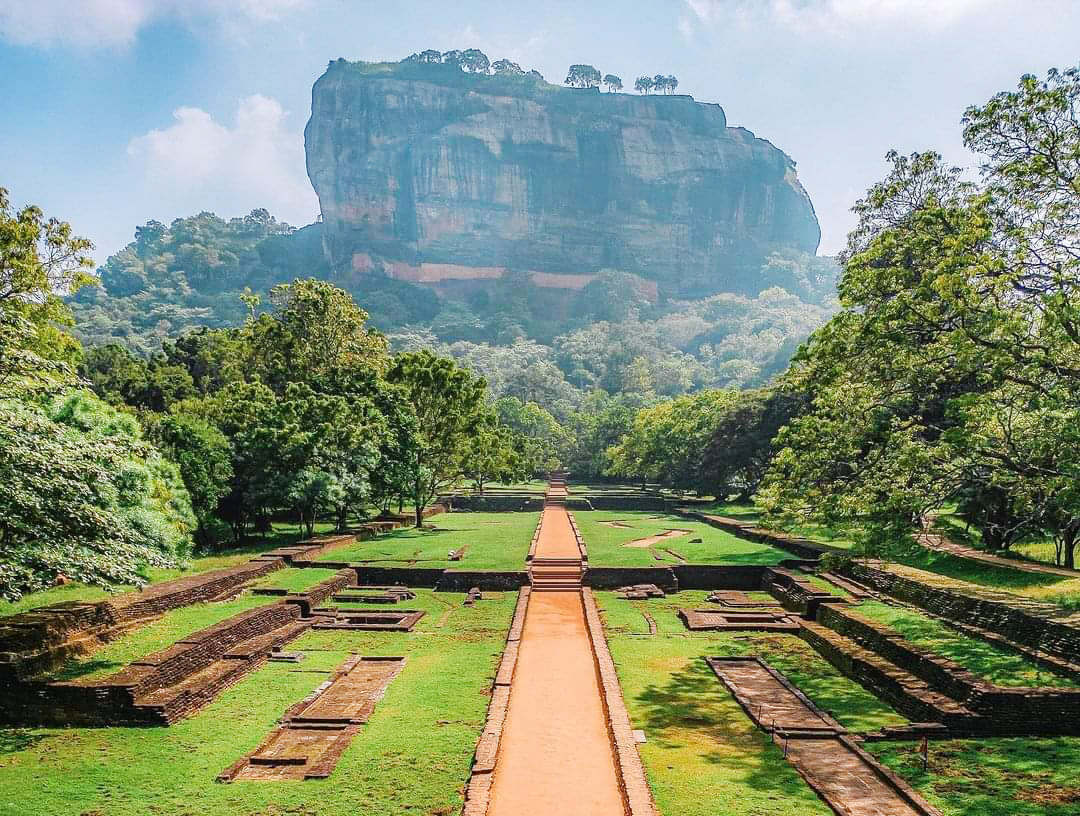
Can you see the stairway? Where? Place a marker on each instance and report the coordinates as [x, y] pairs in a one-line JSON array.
[[556, 574]]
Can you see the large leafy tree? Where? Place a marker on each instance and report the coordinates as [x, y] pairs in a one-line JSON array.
[[448, 403], [951, 375], [85, 497]]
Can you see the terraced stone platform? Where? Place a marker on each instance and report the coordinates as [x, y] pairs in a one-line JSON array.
[[851, 781], [316, 731]]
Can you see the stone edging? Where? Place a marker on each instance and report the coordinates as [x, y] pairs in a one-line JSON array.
[[535, 539], [478, 788], [582, 551], [637, 798]]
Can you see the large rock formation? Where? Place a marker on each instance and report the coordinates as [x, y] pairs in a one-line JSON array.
[[427, 174]]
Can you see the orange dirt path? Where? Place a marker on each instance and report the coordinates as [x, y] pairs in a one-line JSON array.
[[556, 535], [555, 756]]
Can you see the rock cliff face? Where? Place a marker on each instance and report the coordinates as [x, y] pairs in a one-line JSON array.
[[430, 175]]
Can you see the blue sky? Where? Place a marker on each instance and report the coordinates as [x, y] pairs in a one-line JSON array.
[[115, 112]]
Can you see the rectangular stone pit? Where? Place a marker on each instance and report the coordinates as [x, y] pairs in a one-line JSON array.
[[316, 731], [734, 620], [364, 620]]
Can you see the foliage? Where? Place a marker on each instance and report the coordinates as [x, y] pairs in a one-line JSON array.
[[741, 443], [582, 76], [448, 403], [203, 455], [85, 497], [668, 440], [613, 83], [543, 439], [951, 373]]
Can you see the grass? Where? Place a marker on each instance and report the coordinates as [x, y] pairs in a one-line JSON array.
[[752, 513], [492, 541], [1039, 550], [293, 579], [703, 755], [413, 756], [995, 665], [165, 631], [848, 702], [607, 544], [993, 777], [1064, 592]]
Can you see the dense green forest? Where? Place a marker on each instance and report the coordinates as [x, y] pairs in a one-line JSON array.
[[208, 397]]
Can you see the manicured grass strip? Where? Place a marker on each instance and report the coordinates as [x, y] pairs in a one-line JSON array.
[[846, 700], [293, 579], [493, 541], [752, 513], [607, 542], [413, 756], [996, 665], [165, 631], [992, 777], [1064, 592], [702, 752]]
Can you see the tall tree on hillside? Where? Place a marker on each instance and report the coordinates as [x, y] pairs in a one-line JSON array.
[[475, 61], [643, 84], [582, 76], [448, 403], [613, 83], [504, 67]]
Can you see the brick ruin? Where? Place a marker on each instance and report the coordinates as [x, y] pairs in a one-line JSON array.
[[313, 734]]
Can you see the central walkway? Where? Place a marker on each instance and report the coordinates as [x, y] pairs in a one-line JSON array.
[[556, 756]]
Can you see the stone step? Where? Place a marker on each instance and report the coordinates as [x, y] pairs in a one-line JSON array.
[[905, 691]]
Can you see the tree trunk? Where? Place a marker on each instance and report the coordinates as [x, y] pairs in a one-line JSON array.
[[1069, 538]]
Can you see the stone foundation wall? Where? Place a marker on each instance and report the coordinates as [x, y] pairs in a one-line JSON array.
[[1025, 628], [615, 577], [704, 576]]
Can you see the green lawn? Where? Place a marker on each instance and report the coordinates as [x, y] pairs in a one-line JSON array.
[[752, 513], [413, 756], [294, 579], [608, 542], [993, 777], [703, 755], [1054, 589], [160, 633], [492, 541], [996, 665], [846, 700]]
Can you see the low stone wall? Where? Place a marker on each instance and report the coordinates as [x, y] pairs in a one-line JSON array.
[[423, 577], [489, 581], [314, 596], [796, 593], [1028, 629], [615, 577], [707, 576], [497, 503], [1003, 710]]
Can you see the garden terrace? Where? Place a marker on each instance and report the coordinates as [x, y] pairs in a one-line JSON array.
[[416, 746], [641, 539], [485, 541]]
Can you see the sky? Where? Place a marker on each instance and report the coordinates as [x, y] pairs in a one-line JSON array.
[[116, 112]]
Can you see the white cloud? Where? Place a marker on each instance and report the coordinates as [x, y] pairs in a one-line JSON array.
[[110, 23], [832, 15], [198, 163]]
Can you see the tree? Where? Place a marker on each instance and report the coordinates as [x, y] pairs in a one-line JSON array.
[[582, 76], [202, 454], [312, 328], [492, 454], [85, 497], [475, 61], [504, 67], [613, 83], [546, 443], [951, 373], [448, 404], [452, 58], [741, 444], [643, 84], [41, 261], [672, 83], [430, 57]]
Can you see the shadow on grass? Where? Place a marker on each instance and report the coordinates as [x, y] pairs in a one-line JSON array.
[[694, 709], [13, 740], [74, 669]]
